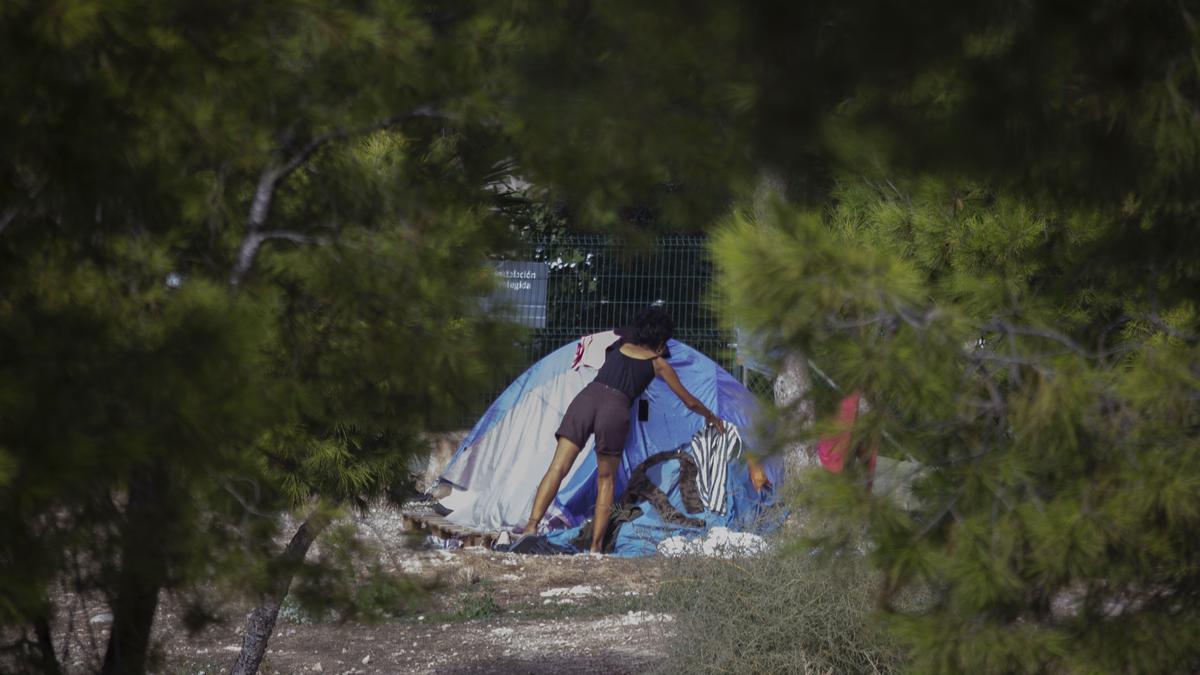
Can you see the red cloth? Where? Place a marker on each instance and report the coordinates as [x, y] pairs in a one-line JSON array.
[[832, 450], [591, 350]]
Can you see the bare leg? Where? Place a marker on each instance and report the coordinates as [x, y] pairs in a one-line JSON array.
[[560, 466], [606, 469]]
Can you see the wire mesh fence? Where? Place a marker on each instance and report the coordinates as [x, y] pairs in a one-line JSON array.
[[598, 283], [566, 286]]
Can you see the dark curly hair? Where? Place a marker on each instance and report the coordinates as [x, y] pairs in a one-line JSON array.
[[652, 327]]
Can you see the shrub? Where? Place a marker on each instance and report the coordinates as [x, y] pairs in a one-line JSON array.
[[783, 611]]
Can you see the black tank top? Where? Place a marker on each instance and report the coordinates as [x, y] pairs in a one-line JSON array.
[[626, 374]]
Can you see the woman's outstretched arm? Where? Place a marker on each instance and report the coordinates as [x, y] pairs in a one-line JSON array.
[[667, 373]]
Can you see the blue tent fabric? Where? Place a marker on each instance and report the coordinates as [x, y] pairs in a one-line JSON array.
[[748, 511], [496, 468]]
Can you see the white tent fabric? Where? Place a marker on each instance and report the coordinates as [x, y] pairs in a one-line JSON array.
[[494, 480]]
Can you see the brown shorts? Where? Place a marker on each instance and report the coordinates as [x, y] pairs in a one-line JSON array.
[[598, 409]]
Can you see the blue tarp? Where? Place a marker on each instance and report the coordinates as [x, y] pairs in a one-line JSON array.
[[746, 510]]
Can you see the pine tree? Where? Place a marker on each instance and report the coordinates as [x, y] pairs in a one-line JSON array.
[[1050, 403], [1002, 259], [241, 258]]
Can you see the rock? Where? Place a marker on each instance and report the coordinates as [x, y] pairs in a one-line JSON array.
[[316, 667], [639, 618], [366, 659], [719, 542], [104, 617], [468, 575], [573, 591]]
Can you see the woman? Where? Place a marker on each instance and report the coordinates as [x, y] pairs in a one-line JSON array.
[[603, 409]]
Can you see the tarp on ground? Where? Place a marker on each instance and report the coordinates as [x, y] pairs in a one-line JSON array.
[[746, 510]]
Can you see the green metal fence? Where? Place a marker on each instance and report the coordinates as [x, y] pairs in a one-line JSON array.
[[595, 283], [598, 283]]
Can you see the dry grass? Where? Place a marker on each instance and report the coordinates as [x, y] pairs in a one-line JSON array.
[[775, 613]]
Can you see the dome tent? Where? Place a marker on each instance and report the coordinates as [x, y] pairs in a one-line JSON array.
[[497, 467]]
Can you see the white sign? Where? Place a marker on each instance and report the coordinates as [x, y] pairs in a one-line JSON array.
[[521, 296]]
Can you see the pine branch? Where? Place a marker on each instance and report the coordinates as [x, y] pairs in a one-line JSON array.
[[271, 178], [1155, 320], [248, 504], [882, 318], [253, 242], [1030, 331], [9, 215]]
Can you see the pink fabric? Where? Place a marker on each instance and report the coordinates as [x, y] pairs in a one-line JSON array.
[[833, 450], [591, 350]]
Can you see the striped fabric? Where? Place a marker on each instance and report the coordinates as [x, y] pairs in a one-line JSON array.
[[712, 451]]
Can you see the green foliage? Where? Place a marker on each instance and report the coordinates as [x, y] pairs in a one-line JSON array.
[[242, 252], [480, 603], [644, 105], [1003, 263], [1054, 517]]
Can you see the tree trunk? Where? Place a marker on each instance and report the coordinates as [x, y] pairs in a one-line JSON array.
[[790, 388], [143, 573], [49, 661], [261, 621]]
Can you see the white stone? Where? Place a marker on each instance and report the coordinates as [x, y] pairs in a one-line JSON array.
[[639, 618], [719, 542], [573, 591]]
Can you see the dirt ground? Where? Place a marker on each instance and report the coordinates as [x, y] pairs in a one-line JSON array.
[[494, 612]]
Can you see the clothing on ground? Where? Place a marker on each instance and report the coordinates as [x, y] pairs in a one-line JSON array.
[[746, 509], [621, 514], [641, 488]]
